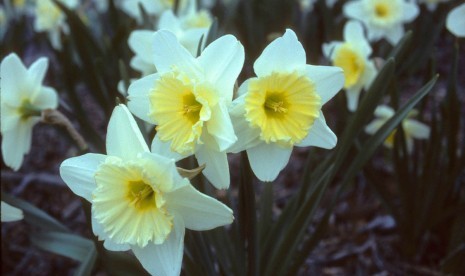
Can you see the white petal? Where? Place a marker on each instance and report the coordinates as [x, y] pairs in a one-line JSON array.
[[247, 136], [222, 61], [37, 72], [10, 213], [221, 128], [164, 149], [12, 70], [352, 96], [199, 211], [456, 21], [373, 127], [217, 167], [353, 33], [410, 11], [328, 80], [328, 48], [165, 168], [169, 21], [17, 142], [124, 138], [384, 111], [267, 160], [169, 54], [394, 34], [141, 43], [320, 135], [355, 10], [78, 173], [164, 259], [416, 129], [285, 53], [138, 97], [97, 228], [46, 98]]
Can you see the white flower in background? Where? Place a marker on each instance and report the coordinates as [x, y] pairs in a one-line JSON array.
[[10, 213], [352, 56], [188, 100], [455, 21], [23, 97], [151, 7], [331, 3], [412, 128], [382, 18], [50, 19], [139, 200], [188, 28], [281, 107], [431, 4]]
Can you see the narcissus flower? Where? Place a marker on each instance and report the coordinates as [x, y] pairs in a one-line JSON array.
[[188, 100], [352, 56], [188, 28], [382, 18], [23, 97], [412, 128], [10, 213], [281, 107], [456, 21], [50, 19], [139, 200]]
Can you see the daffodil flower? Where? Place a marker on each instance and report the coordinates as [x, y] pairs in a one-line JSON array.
[[281, 107], [188, 100], [139, 200], [50, 19], [455, 21], [352, 56], [23, 97], [188, 28], [382, 18], [411, 127], [10, 213]]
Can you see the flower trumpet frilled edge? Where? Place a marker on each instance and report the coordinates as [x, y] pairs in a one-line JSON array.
[[188, 99], [281, 107], [139, 200]]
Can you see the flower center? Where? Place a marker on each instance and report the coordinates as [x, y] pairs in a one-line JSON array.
[[274, 105], [140, 195], [26, 110], [180, 107], [283, 106], [351, 62], [129, 202], [381, 10]]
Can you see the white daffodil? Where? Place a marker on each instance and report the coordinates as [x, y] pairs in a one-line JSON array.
[[50, 19], [139, 200], [432, 4], [412, 128], [10, 213], [352, 56], [455, 21], [151, 7], [281, 107], [23, 97], [382, 18], [188, 29], [188, 100]]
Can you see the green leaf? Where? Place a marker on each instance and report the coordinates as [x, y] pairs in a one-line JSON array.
[[65, 244], [34, 215]]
